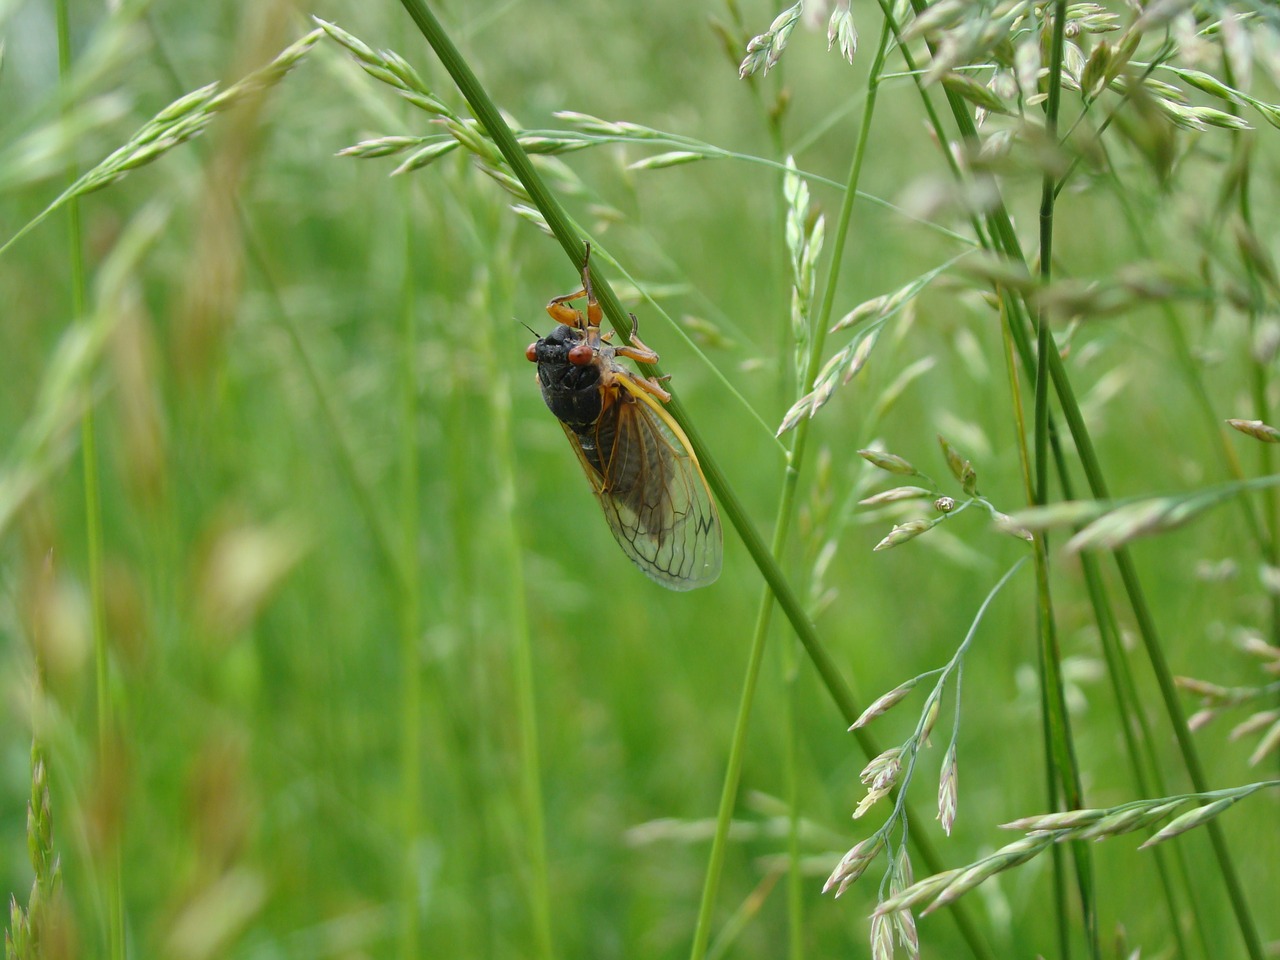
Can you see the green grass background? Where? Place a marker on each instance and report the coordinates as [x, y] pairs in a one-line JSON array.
[[260, 649]]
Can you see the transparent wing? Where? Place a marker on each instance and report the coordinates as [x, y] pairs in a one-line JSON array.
[[652, 491]]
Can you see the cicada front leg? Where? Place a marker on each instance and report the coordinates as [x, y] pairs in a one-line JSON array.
[[561, 312]]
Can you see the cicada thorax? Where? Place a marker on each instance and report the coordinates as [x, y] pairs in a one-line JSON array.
[[570, 390], [588, 400]]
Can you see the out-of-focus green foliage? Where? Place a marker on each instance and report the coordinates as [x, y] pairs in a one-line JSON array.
[[274, 593]]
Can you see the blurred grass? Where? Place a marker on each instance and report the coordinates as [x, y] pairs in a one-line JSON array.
[[253, 780]]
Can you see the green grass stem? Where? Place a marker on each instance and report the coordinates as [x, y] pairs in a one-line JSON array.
[[409, 606], [92, 489]]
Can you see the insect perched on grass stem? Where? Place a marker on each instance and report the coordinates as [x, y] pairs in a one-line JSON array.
[[639, 461]]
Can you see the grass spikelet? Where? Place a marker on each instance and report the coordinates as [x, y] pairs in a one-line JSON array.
[[764, 50], [673, 158], [960, 468], [840, 30], [902, 532], [883, 703], [1190, 820], [896, 494], [42, 928], [948, 794], [890, 462], [1256, 429]]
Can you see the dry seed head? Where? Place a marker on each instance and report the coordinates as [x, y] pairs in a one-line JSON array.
[[1253, 724], [1270, 742], [881, 938], [1256, 429], [1006, 524], [894, 495], [883, 770], [883, 703], [1202, 688], [841, 30], [1255, 646], [948, 793], [1201, 719], [903, 532], [854, 863], [903, 921], [888, 461], [930, 718], [958, 465], [873, 797]]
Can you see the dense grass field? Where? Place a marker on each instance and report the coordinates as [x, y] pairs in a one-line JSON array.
[[314, 641]]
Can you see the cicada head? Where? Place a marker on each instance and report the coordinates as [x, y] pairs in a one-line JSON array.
[[570, 374]]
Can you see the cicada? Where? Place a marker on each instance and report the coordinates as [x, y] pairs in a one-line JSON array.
[[642, 469]]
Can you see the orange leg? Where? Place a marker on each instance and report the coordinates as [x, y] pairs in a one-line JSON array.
[[562, 313], [649, 385], [636, 350]]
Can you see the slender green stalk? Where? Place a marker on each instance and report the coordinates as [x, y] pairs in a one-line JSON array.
[[1058, 724], [513, 592], [410, 610], [791, 774], [93, 520]]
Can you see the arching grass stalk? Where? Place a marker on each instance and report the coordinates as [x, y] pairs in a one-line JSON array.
[[93, 521]]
